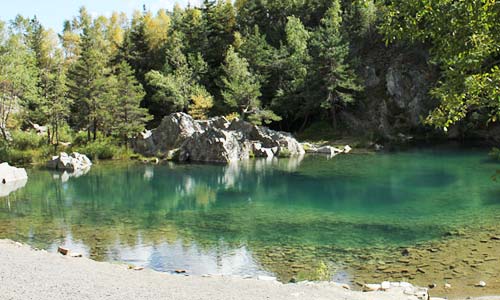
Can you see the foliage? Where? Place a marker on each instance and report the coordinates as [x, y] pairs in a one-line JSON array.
[[464, 41], [102, 148]]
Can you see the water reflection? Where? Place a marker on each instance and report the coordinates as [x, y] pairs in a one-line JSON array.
[[282, 216]]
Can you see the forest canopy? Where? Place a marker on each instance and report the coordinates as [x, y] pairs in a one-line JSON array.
[[278, 62]]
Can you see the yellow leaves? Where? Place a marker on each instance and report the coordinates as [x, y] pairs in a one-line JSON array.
[[156, 29], [201, 104], [232, 116]]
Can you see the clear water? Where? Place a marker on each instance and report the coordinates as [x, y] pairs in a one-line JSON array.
[[256, 217]]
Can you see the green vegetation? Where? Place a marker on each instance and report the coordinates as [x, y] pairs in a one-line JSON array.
[[287, 64]]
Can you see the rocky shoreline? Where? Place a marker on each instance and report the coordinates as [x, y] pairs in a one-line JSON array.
[[28, 273]]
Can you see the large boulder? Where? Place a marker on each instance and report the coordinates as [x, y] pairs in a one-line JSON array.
[[11, 179], [284, 141], [75, 162], [214, 140], [214, 146], [171, 134], [9, 174]]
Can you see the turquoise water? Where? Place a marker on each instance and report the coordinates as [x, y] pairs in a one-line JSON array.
[[234, 219]]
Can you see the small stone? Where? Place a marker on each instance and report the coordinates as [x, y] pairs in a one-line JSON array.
[[371, 287], [180, 271], [266, 278], [405, 252], [346, 286], [495, 238], [63, 251], [447, 286], [421, 270], [385, 285], [481, 284], [74, 254], [432, 285], [138, 268]]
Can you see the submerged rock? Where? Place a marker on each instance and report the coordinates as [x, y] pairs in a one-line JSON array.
[[215, 140], [75, 162]]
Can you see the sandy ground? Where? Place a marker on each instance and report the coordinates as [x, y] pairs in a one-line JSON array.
[[29, 274]]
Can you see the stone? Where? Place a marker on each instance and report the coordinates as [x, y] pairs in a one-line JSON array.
[[180, 271], [63, 251], [345, 286], [138, 268], [447, 286], [174, 129], [481, 284], [385, 285], [347, 149], [9, 174], [371, 287], [266, 278], [215, 140], [74, 254], [214, 146], [75, 162], [11, 179], [432, 285]]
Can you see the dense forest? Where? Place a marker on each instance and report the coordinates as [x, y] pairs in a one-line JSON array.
[[382, 69]]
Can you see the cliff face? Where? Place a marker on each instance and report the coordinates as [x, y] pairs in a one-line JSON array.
[[396, 97]]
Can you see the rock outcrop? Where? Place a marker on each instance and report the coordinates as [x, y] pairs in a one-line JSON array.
[[216, 140], [171, 134], [11, 179], [75, 162]]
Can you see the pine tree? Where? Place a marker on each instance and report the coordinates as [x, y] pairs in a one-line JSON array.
[[88, 81], [335, 83], [241, 89], [129, 118]]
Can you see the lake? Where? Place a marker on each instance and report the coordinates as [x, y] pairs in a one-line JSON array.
[[347, 218]]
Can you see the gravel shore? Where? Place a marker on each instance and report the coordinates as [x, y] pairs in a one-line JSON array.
[[31, 274]]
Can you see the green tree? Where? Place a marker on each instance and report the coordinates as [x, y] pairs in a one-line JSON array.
[[333, 83], [175, 87], [292, 70], [464, 39], [89, 81], [241, 90], [129, 118], [18, 76]]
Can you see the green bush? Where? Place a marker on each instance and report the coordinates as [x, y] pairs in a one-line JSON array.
[[99, 149], [25, 140], [319, 131]]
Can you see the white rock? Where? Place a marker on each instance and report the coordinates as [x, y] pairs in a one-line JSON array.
[[481, 284], [385, 285], [371, 287], [347, 149], [266, 278], [11, 179], [447, 286], [10, 174]]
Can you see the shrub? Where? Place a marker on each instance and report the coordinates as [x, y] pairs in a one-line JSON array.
[[25, 140], [99, 149]]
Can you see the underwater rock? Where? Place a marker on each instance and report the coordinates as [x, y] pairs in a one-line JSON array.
[[481, 284]]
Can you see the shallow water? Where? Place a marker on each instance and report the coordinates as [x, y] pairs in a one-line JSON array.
[[310, 218]]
